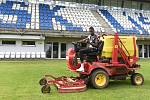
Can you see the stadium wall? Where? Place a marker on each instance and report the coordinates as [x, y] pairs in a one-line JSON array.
[[21, 43]]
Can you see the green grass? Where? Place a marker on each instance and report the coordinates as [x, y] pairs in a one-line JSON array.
[[19, 81]]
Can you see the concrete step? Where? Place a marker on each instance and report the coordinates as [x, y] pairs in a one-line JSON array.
[[104, 24]]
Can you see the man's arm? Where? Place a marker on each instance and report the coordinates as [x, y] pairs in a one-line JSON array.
[[84, 40]]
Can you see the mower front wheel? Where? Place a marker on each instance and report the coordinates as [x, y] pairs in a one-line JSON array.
[[99, 79], [46, 89], [43, 81], [137, 79]]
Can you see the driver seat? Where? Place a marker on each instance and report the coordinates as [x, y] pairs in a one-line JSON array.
[[93, 56]]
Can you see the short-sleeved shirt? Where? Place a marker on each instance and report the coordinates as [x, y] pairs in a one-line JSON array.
[[92, 39]]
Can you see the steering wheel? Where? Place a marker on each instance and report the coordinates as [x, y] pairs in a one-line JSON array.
[[103, 35]]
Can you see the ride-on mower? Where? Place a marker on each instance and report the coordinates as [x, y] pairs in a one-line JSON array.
[[116, 60]]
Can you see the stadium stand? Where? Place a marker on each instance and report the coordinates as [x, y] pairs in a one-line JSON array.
[[37, 24], [127, 21], [19, 15], [14, 15]]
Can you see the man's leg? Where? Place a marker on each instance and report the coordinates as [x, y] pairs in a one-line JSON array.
[[82, 52]]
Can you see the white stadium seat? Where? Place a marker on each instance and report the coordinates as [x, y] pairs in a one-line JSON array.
[[2, 55], [28, 55], [38, 55], [23, 55], [18, 54], [7, 55], [12, 55], [33, 55], [43, 55]]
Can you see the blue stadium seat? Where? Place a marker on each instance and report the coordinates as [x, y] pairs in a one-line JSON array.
[[23, 17]]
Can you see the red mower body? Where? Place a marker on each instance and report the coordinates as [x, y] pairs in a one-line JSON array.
[[114, 67]]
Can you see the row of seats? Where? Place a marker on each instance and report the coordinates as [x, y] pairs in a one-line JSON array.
[[79, 17], [122, 21], [19, 15], [23, 55], [14, 15]]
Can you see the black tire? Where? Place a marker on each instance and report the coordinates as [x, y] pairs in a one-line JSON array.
[[94, 78], [137, 79], [46, 89], [43, 81]]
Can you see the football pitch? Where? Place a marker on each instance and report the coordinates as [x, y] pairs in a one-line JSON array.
[[19, 81]]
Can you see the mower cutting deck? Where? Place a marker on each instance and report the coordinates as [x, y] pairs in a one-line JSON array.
[[63, 84]]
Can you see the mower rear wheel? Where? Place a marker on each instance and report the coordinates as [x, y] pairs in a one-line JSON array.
[[46, 89], [99, 79], [43, 81], [137, 79]]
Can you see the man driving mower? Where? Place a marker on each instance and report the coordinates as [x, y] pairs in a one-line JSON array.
[[93, 42]]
